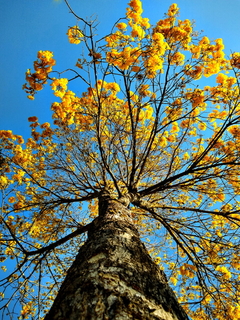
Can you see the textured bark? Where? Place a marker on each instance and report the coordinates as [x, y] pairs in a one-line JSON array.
[[113, 276]]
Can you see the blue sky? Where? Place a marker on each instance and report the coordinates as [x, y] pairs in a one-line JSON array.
[[31, 25]]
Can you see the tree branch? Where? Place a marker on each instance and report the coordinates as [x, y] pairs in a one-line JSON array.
[[53, 245]]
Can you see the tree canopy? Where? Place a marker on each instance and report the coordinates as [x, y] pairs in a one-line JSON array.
[[158, 124]]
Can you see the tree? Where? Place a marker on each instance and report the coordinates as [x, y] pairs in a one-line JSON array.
[[149, 149]]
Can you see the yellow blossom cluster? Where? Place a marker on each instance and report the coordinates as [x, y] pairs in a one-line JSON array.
[[173, 10], [177, 58], [81, 111], [26, 163], [70, 110], [11, 199], [188, 270], [202, 126], [7, 134], [9, 140], [234, 311], [28, 310], [211, 55], [212, 250], [235, 131], [165, 34], [226, 274], [212, 67], [59, 86], [224, 80], [174, 111], [47, 132], [43, 228], [3, 182], [235, 263], [175, 31], [121, 26], [235, 60], [153, 57], [42, 66], [123, 59], [143, 90], [9, 251], [117, 38], [197, 98], [194, 72], [75, 35], [138, 24], [125, 56]]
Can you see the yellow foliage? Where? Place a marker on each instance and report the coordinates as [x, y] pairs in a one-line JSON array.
[[226, 274], [75, 35], [3, 182], [121, 26], [59, 86]]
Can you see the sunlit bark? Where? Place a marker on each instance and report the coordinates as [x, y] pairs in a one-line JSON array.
[[113, 276]]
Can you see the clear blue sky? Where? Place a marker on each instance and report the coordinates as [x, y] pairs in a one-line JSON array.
[[31, 25]]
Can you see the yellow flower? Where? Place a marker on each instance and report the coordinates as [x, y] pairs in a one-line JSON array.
[[171, 138], [136, 69], [162, 142], [121, 25], [175, 127], [235, 130], [225, 272], [145, 23], [235, 60], [177, 58], [143, 90], [123, 59], [112, 86], [204, 41], [186, 156], [173, 280], [219, 44], [211, 68], [221, 78], [3, 182], [27, 310], [59, 86], [74, 35], [202, 126], [221, 196], [7, 134], [136, 6], [46, 57], [195, 72], [45, 125], [78, 64], [11, 200], [173, 10], [32, 119], [148, 112], [137, 32], [188, 270]]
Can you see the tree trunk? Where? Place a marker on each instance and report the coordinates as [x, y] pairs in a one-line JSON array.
[[113, 276]]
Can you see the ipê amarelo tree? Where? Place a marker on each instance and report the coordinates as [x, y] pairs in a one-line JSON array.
[[149, 153]]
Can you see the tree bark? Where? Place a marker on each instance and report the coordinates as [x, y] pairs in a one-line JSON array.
[[113, 276]]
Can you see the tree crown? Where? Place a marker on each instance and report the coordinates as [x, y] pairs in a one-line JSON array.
[[149, 131]]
